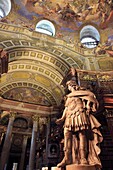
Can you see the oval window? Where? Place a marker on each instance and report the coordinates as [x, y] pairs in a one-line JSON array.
[[45, 27], [5, 8], [89, 36]]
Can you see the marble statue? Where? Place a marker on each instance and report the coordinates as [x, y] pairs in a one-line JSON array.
[[81, 129]]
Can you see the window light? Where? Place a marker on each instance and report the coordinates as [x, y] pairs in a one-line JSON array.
[[89, 36], [5, 8], [45, 27]]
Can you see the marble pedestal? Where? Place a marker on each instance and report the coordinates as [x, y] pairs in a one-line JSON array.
[[80, 167], [76, 167]]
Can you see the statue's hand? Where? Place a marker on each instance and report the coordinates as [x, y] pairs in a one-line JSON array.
[[59, 121]]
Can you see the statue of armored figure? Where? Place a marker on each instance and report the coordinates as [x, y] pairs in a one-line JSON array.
[[81, 129]]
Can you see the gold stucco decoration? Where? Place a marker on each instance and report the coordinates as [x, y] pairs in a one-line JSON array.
[[20, 75], [42, 80]]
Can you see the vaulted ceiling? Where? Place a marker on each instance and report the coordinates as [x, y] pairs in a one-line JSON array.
[[67, 16], [39, 62]]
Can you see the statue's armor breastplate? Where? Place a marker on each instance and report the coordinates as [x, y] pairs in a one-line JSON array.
[[76, 117]]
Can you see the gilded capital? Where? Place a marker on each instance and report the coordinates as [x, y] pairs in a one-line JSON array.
[[12, 114], [35, 117]]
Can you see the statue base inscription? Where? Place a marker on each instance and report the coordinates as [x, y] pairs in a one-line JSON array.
[[80, 167]]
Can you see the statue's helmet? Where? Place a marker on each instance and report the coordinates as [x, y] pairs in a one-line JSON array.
[[71, 83]]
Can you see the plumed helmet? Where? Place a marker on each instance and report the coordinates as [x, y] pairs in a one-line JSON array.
[[71, 83], [75, 85]]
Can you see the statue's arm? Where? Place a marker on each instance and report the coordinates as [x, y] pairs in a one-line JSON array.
[[80, 93], [58, 121], [92, 104]]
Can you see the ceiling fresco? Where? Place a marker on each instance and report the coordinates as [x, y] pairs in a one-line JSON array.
[[66, 15], [28, 95]]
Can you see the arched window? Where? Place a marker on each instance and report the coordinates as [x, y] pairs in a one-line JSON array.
[[89, 36], [45, 27], [5, 8]]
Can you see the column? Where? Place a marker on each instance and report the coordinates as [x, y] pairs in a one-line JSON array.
[[48, 132], [24, 145], [33, 142], [1, 138], [7, 142]]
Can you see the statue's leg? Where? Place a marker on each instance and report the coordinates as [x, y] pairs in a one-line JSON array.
[[67, 149], [83, 147], [75, 146]]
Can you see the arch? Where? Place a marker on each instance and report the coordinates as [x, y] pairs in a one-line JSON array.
[[37, 87], [20, 122], [56, 57]]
